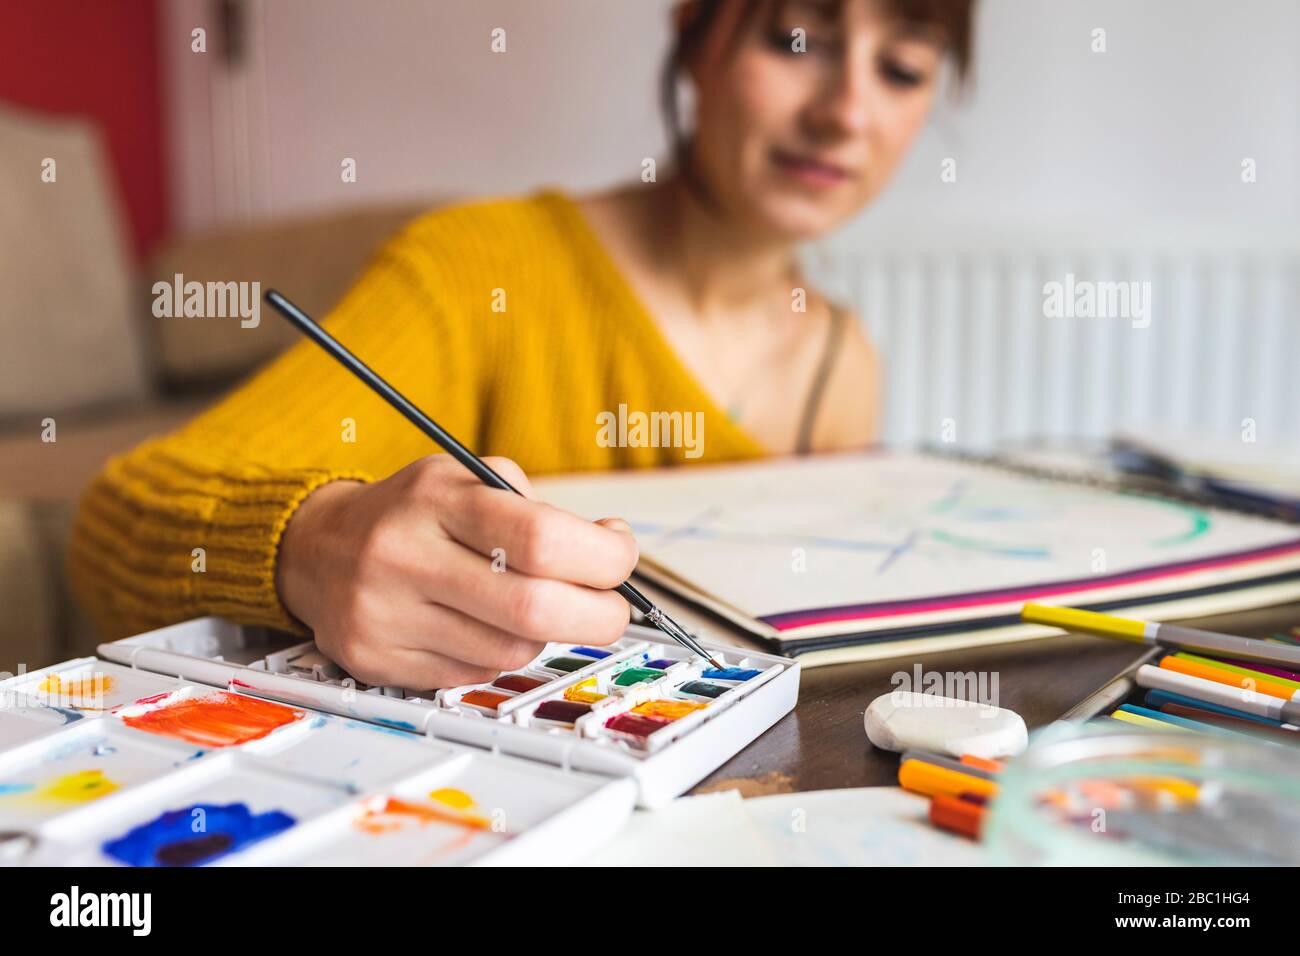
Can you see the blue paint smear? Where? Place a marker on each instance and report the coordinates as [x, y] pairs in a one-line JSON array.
[[8, 788], [171, 837], [399, 724]]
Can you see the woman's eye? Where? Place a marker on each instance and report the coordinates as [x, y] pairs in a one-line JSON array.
[[898, 75]]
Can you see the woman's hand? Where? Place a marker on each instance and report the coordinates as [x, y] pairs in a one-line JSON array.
[[430, 578]]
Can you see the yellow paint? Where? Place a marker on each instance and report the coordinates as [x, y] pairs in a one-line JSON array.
[[79, 787], [463, 804], [452, 798], [1090, 622], [584, 692], [80, 693]]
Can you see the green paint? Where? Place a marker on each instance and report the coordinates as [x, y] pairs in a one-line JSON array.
[[637, 675]]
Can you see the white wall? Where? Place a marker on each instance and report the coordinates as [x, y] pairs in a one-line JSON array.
[[1153, 129], [1123, 165]]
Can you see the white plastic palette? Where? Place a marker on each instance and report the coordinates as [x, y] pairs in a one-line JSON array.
[[266, 783], [610, 736]]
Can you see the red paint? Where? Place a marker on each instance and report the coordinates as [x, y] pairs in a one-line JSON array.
[[635, 725], [101, 61]]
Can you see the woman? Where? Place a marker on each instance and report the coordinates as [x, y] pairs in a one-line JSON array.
[[520, 325]]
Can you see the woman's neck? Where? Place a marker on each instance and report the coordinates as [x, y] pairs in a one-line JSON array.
[[722, 268]]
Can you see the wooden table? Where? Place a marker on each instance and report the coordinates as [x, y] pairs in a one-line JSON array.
[[822, 745]]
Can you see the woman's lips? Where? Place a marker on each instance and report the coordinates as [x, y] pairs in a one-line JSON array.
[[812, 172]]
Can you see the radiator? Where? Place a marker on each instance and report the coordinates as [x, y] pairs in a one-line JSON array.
[[971, 355]]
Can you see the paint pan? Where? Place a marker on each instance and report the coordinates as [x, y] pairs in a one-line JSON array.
[[206, 813], [459, 812], [20, 725], [701, 690], [83, 763], [208, 718], [350, 754], [88, 686]]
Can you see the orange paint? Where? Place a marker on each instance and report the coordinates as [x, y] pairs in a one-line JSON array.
[[487, 699], [218, 719], [668, 709], [79, 693], [386, 814]]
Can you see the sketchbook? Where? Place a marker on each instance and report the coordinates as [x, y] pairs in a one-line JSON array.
[[852, 557]]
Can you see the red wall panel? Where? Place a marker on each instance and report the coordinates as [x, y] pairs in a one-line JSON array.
[[97, 59]]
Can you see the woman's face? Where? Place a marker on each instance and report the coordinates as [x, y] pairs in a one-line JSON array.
[[795, 143]]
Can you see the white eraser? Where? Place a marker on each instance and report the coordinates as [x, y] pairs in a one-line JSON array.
[[906, 720]]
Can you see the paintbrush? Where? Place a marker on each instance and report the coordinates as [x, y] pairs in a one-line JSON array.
[[308, 326]]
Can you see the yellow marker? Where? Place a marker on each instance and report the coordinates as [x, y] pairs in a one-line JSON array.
[[1163, 635]]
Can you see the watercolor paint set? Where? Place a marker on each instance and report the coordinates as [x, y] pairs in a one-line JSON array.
[[643, 708], [210, 743], [103, 764]]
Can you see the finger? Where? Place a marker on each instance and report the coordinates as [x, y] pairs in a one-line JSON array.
[[429, 670], [535, 608], [539, 539], [511, 472], [409, 668], [444, 630]]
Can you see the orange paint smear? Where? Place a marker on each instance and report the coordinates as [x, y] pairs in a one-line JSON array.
[[214, 720], [391, 813]]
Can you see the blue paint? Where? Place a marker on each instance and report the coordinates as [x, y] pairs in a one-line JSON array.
[[595, 652], [730, 673], [661, 664], [190, 838], [401, 725], [8, 788], [68, 715]]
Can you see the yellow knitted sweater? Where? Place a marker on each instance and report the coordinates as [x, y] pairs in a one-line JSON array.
[[505, 320]]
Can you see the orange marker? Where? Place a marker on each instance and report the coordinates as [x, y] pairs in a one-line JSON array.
[[957, 815], [925, 778], [1220, 675]]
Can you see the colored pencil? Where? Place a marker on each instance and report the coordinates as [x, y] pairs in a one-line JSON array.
[[1261, 705], [1222, 675], [1238, 725], [1163, 635]]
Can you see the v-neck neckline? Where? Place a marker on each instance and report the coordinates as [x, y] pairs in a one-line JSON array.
[[659, 352]]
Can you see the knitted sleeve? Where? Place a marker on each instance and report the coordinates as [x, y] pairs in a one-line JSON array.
[[189, 524]]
